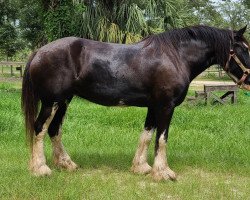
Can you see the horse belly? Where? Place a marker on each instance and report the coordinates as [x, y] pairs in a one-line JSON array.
[[112, 95]]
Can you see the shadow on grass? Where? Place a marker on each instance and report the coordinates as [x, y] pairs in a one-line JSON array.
[[123, 162]]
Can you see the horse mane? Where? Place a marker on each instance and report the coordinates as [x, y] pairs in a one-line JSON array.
[[170, 41]]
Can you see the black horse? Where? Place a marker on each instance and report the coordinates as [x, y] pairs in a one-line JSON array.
[[153, 73]]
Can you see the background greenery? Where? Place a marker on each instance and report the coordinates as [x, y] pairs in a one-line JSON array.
[[28, 24]]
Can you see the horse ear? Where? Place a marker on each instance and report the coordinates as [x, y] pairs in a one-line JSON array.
[[240, 32]]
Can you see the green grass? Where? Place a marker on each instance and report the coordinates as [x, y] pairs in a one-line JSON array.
[[214, 77], [209, 149]]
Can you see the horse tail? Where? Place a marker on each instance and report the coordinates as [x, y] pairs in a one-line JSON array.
[[30, 100]]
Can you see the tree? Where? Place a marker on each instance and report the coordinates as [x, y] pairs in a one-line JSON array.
[[9, 33], [63, 18], [105, 20], [246, 3], [8, 11], [118, 21], [205, 12], [130, 20], [31, 22], [51, 19], [235, 14]]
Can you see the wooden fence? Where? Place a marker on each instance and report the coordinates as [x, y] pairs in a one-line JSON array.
[[214, 70], [12, 66]]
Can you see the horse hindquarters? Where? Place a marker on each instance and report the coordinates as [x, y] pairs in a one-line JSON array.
[[49, 119], [51, 84]]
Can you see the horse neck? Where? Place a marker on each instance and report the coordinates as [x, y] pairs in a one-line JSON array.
[[197, 56]]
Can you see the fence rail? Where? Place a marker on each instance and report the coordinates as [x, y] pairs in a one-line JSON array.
[[217, 71], [18, 66], [11, 63]]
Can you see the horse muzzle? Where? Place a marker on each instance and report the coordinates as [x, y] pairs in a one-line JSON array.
[[244, 82]]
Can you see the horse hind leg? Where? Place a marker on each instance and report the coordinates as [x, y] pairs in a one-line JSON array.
[[38, 161], [60, 157]]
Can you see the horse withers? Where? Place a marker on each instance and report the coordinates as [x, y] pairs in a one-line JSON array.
[[153, 73]]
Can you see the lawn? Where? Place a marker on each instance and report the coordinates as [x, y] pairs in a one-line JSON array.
[[209, 149]]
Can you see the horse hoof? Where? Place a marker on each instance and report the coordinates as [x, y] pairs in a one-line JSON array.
[[141, 169], [163, 174], [71, 166], [66, 164], [43, 170]]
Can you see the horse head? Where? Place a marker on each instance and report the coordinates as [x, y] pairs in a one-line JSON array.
[[238, 63]]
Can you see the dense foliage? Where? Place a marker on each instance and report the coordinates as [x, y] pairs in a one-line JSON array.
[[29, 24], [10, 41]]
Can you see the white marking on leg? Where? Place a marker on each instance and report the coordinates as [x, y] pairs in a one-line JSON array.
[[60, 156], [161, 169], [140, 164], [160, 159], [38, 162]]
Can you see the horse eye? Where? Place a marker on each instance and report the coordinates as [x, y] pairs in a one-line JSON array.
[[246, 49]]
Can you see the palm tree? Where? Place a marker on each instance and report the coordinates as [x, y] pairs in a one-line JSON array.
[[127, 21]]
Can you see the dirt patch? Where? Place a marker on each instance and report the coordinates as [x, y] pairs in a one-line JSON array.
[[201, 83]]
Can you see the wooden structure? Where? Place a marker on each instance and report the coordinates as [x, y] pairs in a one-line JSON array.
[[19, 66], [212, 93], [215, 71]]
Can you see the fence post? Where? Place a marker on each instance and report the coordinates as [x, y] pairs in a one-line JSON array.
[[21, 70], [220, 73], [11, 70]]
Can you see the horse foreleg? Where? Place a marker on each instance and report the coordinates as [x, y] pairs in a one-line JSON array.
[[140, 164], [161, 170], [60, 156], [38, 162]]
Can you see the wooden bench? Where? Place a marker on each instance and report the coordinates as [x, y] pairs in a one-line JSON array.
[[216, 94], [229, 91]]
